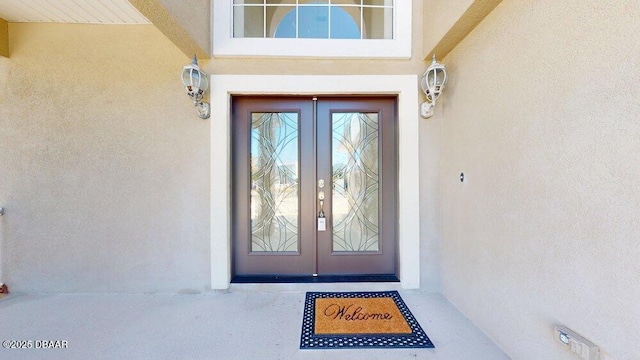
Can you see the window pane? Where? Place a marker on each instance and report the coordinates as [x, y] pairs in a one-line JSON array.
[[378, 23], [345, 22], [355, 182], [274, 182], [248, 21], [314, 22], [282, 21], [378, 2], [347, 19]]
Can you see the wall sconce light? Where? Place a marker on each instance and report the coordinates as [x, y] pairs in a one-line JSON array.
[[196, 82], [433, 81]]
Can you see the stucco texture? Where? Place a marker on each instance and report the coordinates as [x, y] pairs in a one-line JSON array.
[[439, 18], [430, 239], [541, 114], [105, 166], [196, 23], [327, 66], [104, 163]]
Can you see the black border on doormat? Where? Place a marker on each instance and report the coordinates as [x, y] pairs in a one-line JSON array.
[[308, 340]]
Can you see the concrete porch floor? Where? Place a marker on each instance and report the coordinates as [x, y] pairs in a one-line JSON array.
[[246, 322]]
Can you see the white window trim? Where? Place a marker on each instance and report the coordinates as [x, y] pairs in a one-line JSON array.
[[404, 86], [225, 45]]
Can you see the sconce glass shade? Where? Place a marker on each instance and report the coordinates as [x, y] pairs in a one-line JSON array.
[[196, 82], [432, 84], [434, 80]]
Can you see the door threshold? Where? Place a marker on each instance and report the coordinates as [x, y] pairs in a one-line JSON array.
[[307, 279]]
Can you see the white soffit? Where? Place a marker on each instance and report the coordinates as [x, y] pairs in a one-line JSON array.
[[71, 11]]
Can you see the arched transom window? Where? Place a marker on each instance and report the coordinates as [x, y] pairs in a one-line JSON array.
[[313, 19]]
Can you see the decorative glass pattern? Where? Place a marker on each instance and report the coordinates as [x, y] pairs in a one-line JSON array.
[[355, 181], [274, 182]]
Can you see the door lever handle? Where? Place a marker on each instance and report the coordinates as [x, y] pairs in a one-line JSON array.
[[321, 198], [322, 221]]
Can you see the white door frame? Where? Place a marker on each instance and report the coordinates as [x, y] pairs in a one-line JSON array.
[[404, 86]]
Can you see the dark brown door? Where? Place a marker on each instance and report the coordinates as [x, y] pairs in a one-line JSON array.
[[314, 187]]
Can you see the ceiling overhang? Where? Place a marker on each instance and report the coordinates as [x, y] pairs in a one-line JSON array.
[[186, 23], [4, 38], [167, 23], [71, 12], [451, 26]]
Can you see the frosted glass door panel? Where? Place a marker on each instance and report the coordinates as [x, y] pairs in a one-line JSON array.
[[274, 182], [355, 182]]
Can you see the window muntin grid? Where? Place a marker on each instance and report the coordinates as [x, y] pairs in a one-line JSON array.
[[263, 18]]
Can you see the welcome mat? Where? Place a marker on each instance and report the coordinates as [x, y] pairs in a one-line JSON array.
[[335, 320]]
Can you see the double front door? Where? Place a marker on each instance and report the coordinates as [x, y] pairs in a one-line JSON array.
[[314, 186]]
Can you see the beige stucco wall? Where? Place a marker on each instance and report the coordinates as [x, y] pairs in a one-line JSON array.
[[4, 113], [541, 114], [4, 38], [104, 163], [429, 145], [296, 66], [438, 20], [196, 23]]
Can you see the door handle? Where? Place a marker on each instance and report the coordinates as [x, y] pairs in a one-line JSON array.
[[322, 220], [321, 198]]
